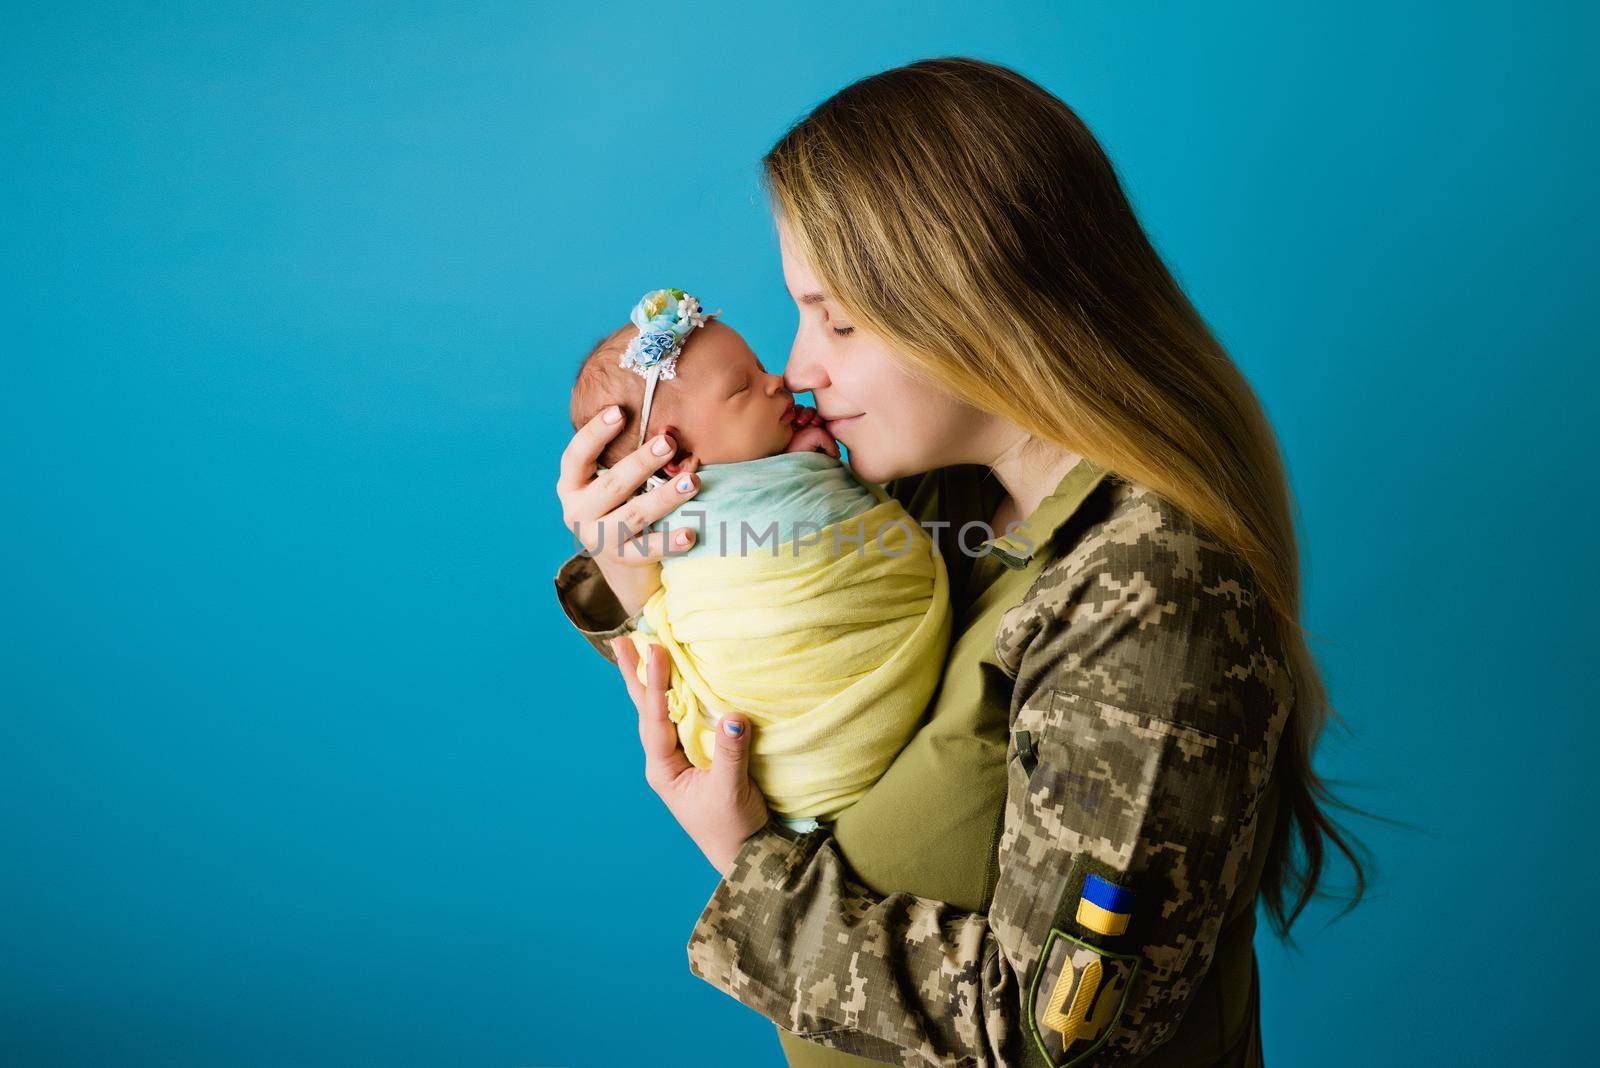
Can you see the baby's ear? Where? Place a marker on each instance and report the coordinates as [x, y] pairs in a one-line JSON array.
[[681, 465]]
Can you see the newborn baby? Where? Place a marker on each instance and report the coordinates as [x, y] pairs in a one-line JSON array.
[[810, 601], [722, 405]]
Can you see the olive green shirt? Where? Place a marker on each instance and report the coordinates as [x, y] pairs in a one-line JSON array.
[[1108, 716]]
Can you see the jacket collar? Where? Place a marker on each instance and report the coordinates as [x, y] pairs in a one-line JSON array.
[[1017, 550]]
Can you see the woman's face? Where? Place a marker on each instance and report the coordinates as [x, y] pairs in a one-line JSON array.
[[893, 422]]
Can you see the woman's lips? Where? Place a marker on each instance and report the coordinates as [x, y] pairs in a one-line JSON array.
[[832, 425]]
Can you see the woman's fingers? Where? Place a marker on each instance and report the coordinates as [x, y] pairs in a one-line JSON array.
[[628, 664], [613, 487], [651, 547], [606, 513], [579, 457], [619, 528], [664, 759]]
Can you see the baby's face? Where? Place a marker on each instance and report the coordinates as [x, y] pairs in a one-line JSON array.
[[727, 407]]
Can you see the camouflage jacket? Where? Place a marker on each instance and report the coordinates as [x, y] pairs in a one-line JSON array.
[[1149, 696]]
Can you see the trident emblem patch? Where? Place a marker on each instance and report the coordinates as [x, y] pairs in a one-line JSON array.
[[1079, 993]]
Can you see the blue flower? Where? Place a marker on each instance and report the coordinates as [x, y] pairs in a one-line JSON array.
[[667, 310], [661, 342], [656, 310], [650, 348], [664, 317]]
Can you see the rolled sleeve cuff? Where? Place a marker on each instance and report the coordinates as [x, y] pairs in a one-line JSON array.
[[743, 930], [590, 605]]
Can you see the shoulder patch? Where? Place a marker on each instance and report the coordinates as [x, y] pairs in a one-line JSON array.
[[1105, 907], [1079, 993]]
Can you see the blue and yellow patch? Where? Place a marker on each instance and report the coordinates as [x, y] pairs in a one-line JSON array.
[[1104, 907], [1078, 994]]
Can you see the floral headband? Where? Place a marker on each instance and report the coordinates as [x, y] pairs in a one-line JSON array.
[[665, 318]]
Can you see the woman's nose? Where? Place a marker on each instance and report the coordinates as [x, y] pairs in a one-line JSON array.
[[803, 372]]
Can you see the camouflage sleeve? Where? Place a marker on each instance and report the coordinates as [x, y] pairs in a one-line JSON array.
[[1145, 715], [590, 605]]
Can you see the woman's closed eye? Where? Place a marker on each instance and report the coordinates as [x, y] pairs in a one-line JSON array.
[[844, 331]]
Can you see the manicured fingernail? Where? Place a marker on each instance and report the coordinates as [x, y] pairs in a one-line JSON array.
[[733, 729], [613, 415], [661, 447], [685, 484]]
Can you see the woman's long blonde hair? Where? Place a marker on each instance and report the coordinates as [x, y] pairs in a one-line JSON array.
[[969, 217]]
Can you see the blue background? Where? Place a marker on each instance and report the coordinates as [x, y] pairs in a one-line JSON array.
[[301, 762]]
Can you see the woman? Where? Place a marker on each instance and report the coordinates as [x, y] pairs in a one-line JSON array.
[[1063, 866]]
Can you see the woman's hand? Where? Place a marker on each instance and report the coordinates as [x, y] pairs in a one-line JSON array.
[[719, 807], [604, 515]]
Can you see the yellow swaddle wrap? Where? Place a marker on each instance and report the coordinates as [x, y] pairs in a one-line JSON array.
[[832, 647]]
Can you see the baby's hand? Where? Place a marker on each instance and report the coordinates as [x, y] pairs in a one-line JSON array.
[[803, 416], [814, 439]]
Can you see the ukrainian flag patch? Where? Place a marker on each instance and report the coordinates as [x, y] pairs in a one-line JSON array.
[[1105, 907]]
